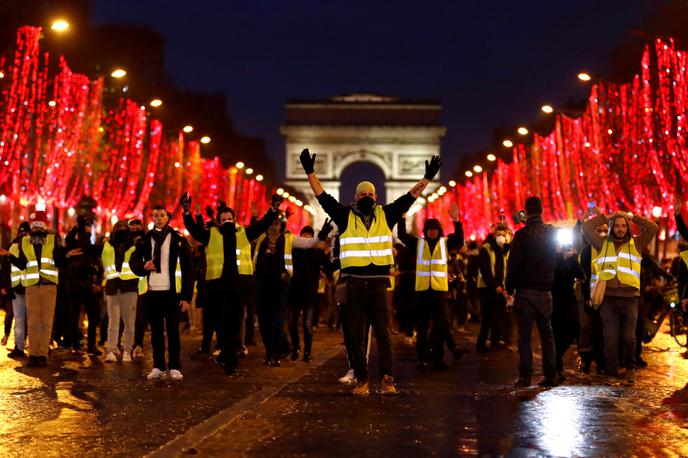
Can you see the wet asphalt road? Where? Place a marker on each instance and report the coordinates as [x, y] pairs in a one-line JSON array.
[[81, 407]]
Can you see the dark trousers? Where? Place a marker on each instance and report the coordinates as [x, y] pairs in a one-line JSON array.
[[473, 302], [163, 310], [458, 306], [272, 300], [432, 307], [213, 321], [535, 306], [248, 295], [640, 329], [76, 295], [228, 300], [141, 322], [366, 301], [619, 315], [492, 311], [9, 316], [403, 299], [564, 327], [590, 336], [303, 300]]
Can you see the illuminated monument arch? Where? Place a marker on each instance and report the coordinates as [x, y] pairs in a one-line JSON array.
[[397, 136]]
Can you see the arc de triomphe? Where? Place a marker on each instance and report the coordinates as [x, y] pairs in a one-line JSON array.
[[396, 135]]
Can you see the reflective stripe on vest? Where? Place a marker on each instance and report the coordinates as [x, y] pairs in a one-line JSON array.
[[360, 247], [178, 277], [431, 268], [215, 255], [625, 265], [288, 244], [110, 267], [493, 261], [16, 274], [593, 267], [48, 270]]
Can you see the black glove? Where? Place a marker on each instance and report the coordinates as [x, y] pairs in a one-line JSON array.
[[325, 230], [199, 219], [432, 167], [185, 202], [307, 161], [210, 212], [276, 202]]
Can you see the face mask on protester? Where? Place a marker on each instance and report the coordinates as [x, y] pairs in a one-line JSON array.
[[121, 236], [501, 240], [365, 204]]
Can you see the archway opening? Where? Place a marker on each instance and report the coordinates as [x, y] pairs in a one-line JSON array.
[[357, 172]]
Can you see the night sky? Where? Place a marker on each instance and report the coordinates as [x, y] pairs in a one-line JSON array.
[[490, 63]]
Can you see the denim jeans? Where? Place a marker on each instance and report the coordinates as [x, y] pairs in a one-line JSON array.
[[121, 305], [163, 312], [19, 309], [619, 315], [432, 308], [529, 306]]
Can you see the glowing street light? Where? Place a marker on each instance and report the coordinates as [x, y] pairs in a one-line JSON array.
[[249, 171], [52, 103], [522, 131], [491, 157], [279, 191], [452, 183], [584, 77], [205, 140], [508, 143], [259, 177], [285, 194], [59, 25], [469, 173], [188, 129], [477, 169], [155, 103], [118, 73], [656, 212], [299, 203], [292, 199], [2, 75], [547, 109], [239, 165]]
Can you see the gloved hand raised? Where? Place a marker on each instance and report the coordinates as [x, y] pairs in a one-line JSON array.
[[276, 202], [325, 230], [307, 161], [185, 202], [432, 167]]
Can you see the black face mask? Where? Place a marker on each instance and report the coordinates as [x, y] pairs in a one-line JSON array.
[[365, 204], [121, 236], [40, 233], [227, 227]]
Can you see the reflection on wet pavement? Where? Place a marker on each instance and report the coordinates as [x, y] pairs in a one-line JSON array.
[[82, 407]]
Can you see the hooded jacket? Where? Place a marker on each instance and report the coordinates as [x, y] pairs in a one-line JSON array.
[[647, 233]]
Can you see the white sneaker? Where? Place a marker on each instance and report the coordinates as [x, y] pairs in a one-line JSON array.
[[111, 357], [155, 374], [138, 352], [126, 357], [348, 378], [176, 374]]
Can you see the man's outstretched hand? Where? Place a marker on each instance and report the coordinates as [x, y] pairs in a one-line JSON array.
[[307, 161], [185, 202], [276, 202], [432, 167], [325, 230]]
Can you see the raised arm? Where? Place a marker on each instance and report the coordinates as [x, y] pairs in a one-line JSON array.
[[197, 231], [407, 239], [589, 229], [431, 169], [647, 232], [308, 164], [259, 227]]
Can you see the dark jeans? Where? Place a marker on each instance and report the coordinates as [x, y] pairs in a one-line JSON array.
[[249, 302], [535, 306], [9, 316], [272, 300], [403, 300], [231, 312], [473, 302], [163, 310], [366, 301], [213, 320], [141, 321], [458, 306], [76, 295], [492, 311], [432, 306], [306, 303], [619, 315], [590, 336], [564, 326]]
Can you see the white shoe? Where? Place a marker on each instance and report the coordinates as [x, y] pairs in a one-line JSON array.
[[111, 357], [126, 357], [155, 374], [348, 378], [138, 352], [176, 374]]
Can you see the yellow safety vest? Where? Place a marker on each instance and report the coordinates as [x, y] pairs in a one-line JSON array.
[[143, 286], [143, 281], [625, 265], [16, 274], [47, 270], [493, 261], [215, 254], [431, 268], [684, 256], [360, 247], [108, 258], [593, 267], [288, 243]]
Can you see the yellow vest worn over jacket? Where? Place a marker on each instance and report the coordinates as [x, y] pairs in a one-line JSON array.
[[684, 256], [215, 254], [16, 274], [288, 242], [625, 265], [110, 267], [493, 261], [431, 268], [47, 270], [360, 247]]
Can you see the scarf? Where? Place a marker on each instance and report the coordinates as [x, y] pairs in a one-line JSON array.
[[159, 236]]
